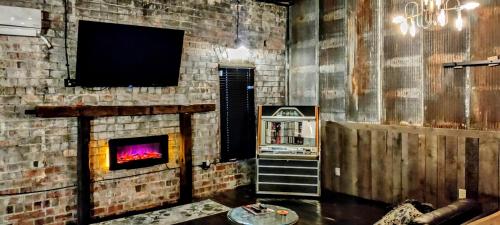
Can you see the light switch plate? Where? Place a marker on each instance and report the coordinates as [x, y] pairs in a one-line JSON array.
[[462, 193], [337, 171]]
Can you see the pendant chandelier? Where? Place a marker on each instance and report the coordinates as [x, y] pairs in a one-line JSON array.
[[241, 52], [431, 15]]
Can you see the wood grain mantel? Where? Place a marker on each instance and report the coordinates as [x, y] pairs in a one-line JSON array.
[[108, 111], [86, 114]]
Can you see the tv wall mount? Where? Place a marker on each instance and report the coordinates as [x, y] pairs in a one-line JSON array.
[[491, 62]]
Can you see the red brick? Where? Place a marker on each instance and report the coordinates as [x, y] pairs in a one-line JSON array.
[[49, 219], [220, 167], [49, 211], [39, 221], [98, 211], [27, 215], [63, 217], [115, 208]]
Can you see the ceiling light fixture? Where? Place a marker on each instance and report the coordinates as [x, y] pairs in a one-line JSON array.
[[430, 15], [241, 52], [239, 43]]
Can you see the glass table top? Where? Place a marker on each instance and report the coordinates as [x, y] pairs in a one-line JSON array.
[[241, 216]]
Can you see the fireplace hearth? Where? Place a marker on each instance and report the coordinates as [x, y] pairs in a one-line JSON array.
[[132, 153]]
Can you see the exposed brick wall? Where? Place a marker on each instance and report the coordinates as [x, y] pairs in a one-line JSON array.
[[37, 155], [51, 207], [221, 177], [116, 196]]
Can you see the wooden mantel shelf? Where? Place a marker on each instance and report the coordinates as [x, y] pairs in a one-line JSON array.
[[107, 111]]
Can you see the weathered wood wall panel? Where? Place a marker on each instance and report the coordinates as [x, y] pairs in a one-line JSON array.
[[381, 166], [461, 163], [450, 174], [402, 162], [364, 164], [327, 163], [349, 162], [303, 71], [441, 154], [488, 170], [332, 61], [431, 164], [472, 167], [414, 185], [394, 145], [362, 60]]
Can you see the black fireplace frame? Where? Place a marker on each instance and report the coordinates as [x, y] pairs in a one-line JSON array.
[[114, 143]]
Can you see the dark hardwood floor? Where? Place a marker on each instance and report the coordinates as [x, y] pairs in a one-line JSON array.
[[330, 209]]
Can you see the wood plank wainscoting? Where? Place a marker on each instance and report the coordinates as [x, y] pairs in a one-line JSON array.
[[394, 163]]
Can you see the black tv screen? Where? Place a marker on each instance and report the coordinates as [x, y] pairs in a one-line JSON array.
[[116, 55]]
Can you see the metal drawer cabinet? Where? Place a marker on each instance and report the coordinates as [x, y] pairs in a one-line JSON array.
[[288, 177]]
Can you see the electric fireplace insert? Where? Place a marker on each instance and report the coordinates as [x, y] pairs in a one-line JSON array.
[[131, 153]]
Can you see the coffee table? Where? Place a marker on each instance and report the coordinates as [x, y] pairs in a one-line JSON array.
[[243, 217]]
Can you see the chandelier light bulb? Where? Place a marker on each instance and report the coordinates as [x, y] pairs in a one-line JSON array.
[[459, 23], [398, 19], [470, 5], [438, 3], [442, 18], [432, 15], [413, 28], [404, 27]]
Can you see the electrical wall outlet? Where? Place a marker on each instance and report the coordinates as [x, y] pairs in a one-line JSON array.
[[337, 171], [69, 82], [462, 193]]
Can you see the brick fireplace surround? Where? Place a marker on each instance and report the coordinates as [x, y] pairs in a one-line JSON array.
[[38, 156], [97, 196]]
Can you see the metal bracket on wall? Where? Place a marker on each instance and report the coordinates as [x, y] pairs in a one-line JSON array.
[[461, 65], [278, 2]]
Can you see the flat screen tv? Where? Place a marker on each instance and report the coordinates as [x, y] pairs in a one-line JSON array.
[[116, 55]]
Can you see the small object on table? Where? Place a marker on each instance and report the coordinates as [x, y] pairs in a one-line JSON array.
[[257, 209], [282, 214]]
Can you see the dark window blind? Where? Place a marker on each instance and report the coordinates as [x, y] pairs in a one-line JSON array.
[[237, 105]]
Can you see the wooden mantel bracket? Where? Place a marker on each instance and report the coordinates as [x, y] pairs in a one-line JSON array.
[[86, 114]]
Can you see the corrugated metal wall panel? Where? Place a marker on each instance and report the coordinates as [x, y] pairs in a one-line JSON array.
[[362, 63], [414, 87], [444, 90], [332, 69], [303, 73], [402, 71], [485, 42]]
